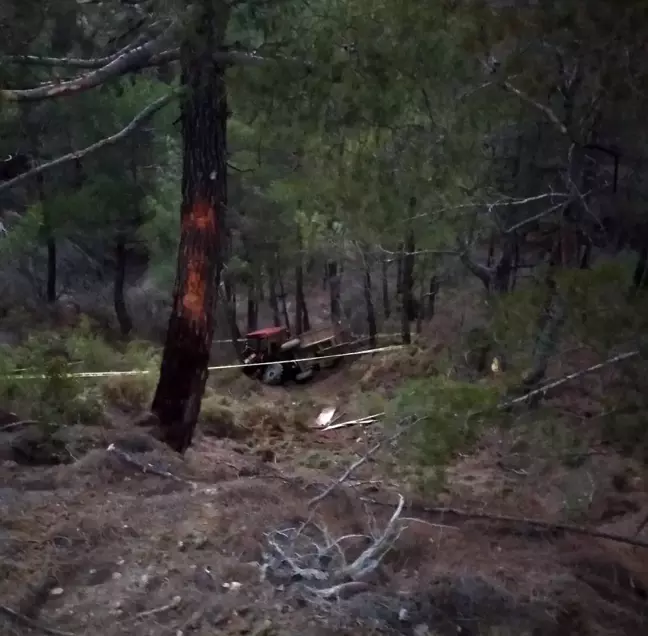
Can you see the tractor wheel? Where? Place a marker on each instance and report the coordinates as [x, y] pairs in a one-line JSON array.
[[291, 344], [273, 374], [304, 376]]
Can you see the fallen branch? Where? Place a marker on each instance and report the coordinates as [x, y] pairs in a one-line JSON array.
[[144, 467], [32, 624], [522, 521], [315, 500], [19, 424], [371, 557], [316, 558], [175, 602], [568, 378], [137, 121], [369, 419]]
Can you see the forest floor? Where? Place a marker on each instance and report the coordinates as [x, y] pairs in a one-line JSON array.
[[126, 538]]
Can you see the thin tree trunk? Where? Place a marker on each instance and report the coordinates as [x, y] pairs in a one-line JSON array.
[[491, 250], [273, 301], [299, 299], [548, 337], [501, 279], [282, 299], [232, 318], [586, 257], [550, 322], [252, 306], [302, 322], [121, 311], [639, 275], [305, 314], [51, 269], [419, 313], [399, 269], [516, 264], [48, 233], [334, 292], [407, 284], [432, 295], [260, 287], [368, 296], [384, 271], [185, 358]]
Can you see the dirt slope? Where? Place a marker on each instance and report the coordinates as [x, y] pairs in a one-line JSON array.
[[137, 541]]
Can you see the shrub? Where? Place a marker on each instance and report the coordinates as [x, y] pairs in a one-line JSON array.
[[450, 414], [129, 392], [48, 393], [218, 419]]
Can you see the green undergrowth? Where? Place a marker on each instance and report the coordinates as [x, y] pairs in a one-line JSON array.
[[37, 381], [449, 417]]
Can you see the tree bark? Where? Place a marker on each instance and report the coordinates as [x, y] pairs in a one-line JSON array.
[[51, 269], [301, 312], [282, 298], [273, 300], [334, 282], [384, 272], [501, 279], [399, 269], [230, 310], [252, 306], [185, 359], [368, 296], [302, 320], [407, 285], [121, 311], [639, 274], [432, 295]]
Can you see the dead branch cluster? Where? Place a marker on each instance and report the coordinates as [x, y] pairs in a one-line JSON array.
[[320, 564]]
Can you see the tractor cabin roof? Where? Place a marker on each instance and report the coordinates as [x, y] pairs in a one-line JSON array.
[[268, 332]]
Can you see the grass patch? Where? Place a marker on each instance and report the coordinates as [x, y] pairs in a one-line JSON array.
[[37, 381], [451, 416]]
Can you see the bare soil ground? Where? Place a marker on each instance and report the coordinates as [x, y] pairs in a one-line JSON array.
[[130, 539]]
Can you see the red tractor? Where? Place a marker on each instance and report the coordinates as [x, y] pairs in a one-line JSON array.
[[274, 357]]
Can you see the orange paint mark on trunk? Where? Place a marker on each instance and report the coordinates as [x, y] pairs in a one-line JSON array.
[[200, 219], [193, 298]]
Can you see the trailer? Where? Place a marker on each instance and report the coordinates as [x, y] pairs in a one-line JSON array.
[[273, 356]]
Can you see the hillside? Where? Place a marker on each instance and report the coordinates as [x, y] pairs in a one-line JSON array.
[[123, 536]]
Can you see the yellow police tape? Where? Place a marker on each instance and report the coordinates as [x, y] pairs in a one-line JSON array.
[[221, 367], [362, 336]]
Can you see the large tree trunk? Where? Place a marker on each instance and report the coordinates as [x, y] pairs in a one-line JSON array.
[[185, 359], [121, 311]]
